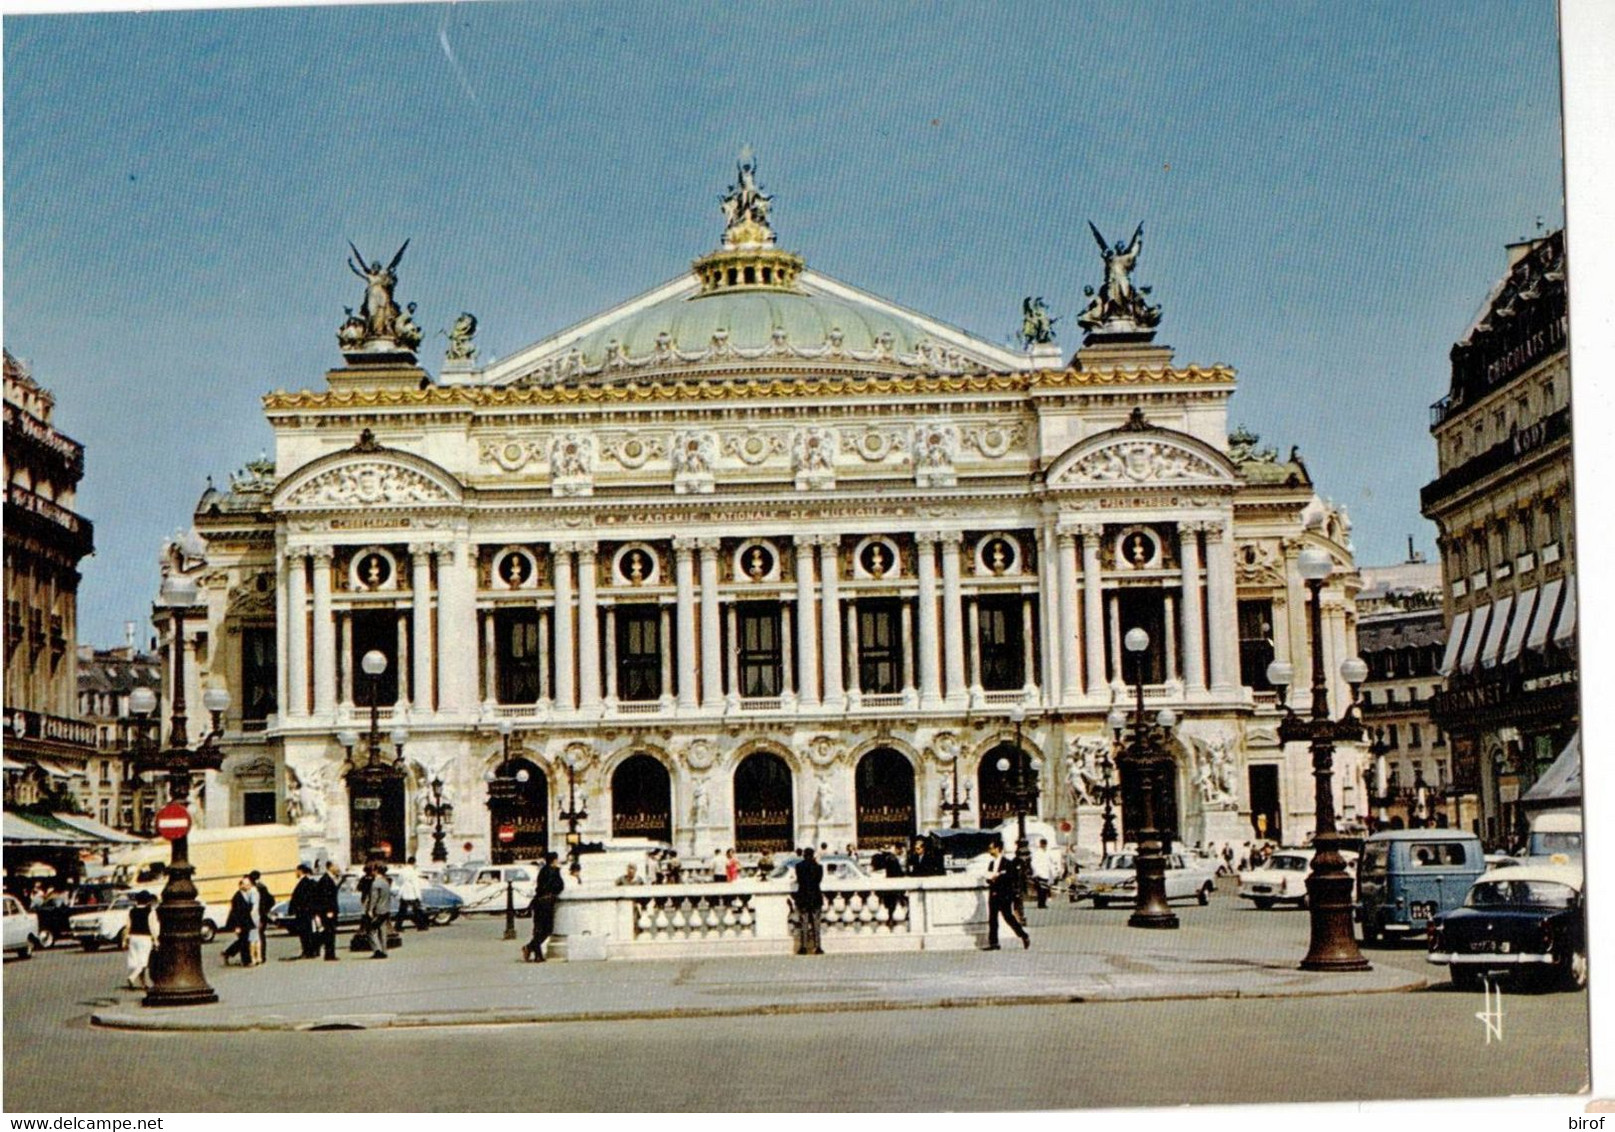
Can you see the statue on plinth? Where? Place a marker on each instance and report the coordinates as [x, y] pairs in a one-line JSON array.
[[379, 318], [461, 348], [1037, 326], [1118, 300], [745, 206]]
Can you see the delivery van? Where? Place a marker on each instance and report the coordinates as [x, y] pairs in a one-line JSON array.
[[1555, 835], [1406, 877], [220, 858]]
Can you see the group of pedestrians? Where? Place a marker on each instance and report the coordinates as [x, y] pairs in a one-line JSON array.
[[248, 921]]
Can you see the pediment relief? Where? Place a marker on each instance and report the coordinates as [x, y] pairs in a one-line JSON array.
[[1138, 459], [367, 483]]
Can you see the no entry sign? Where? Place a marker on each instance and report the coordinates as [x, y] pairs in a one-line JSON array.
[[173, 821], [507, 834]]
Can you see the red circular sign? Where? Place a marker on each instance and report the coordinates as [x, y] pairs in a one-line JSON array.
[[173, 821], [1065, 827], [507, 834]]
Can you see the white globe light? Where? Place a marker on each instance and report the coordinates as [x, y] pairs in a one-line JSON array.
[[1117, 719], [1037, 765], [216, 700], [1315, 564], [487, 776], [348, 739], [522, 775], [1136, 640], [1167, 718], [1279, 674], [1353, 670], [177, 590], [374, 662], [1017, 714], [400, 736], [1003, 765], [142, 701], [505, 727]]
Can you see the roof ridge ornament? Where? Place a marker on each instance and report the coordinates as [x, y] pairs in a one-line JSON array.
[[745, 207]]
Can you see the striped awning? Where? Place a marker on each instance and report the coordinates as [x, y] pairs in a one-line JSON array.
[[88, 825], [1522, 621], [1494, 639], [1455, 640], [1477, 632], [18, 830], [1537, 638], [57, 770], [1566, 628]]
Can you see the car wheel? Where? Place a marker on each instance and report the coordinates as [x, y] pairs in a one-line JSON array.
[[443, 917], [45, 939], [1204, 896], [1573, 973], [1263, 903], [208, 931], [1100, 902], [22, 952], [92, 945], [1464, 978]]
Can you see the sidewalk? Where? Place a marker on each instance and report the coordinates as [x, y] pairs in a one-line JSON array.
[[466, 974]]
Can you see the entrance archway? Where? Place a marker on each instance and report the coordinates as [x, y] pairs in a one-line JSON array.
[[527, 811], [885, 798], [376, 814], [995, 787], [642, 799], [765, 810]]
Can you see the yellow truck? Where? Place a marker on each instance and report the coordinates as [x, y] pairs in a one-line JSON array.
[[221, 857]]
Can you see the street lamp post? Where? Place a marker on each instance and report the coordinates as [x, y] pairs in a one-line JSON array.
[[1150, 909], [1117, 721], [574, 813], [1022, 794], [954, 804], [176, 966], [440, 812], [1333, 946], [1381, 786], [368, 780]]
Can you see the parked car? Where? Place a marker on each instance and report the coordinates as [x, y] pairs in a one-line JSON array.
[[1528, 921], [482, 888], [1282, 879], [439, 903], [1555, 838], [21, 929], [1115, 881], [56, 914], [1407, 877], [109, 926]]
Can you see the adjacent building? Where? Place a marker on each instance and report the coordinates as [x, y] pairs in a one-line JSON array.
[[113, 792], [46, 744], [1503, 506], [755, 558]]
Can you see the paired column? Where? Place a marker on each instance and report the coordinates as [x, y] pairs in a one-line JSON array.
[[807, 636], [711, 627], [930, 678], [283, 634], [588, 631], [1093, 608], [1221, 594], [420, 596], [490, 658], [1066, 599], [684, 581], [401, 661], [829, 613], [324, 635], [854, 687], [611, 656], [296, 568], [346, 658], [953, 633], [1194, 644], [564, 697]]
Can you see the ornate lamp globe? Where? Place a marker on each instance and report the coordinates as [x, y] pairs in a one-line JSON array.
[[1136, 640], [142, 701], [1353, 670], [1279, 674], [1116, 720], [374, 662], [216, 700], [1314, 564], [349, 739]]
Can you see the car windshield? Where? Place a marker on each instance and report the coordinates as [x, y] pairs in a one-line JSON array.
[[1289, 863], [1117, 861], [1547, 844], [1376, 856], [1521, 894], [458, 874]]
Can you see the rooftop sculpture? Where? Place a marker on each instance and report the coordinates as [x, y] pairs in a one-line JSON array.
[[1119, 305]]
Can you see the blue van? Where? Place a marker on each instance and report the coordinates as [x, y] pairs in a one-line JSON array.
[[1405, 877]]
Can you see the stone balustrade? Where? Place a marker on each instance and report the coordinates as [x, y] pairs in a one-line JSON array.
[[757, 917]]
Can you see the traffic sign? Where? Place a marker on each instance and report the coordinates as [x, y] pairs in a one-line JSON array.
[[173, 821], [507, 834]]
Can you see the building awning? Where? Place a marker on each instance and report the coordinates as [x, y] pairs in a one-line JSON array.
[[88, 825], [1566, 628], [12, 765], [20, 831], [1522, 621], [1455, 640], [1471, 652], [57, 770], [1561, 782], [1537, 638], [1494, 639]]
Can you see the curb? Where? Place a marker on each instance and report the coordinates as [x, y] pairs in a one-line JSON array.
[[496, 1016]]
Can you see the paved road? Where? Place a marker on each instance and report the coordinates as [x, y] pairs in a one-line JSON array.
[[1425, 1044]]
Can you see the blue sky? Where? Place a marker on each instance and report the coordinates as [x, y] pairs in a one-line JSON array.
[[1326, 189]]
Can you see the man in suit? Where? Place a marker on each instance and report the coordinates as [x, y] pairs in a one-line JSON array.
[[301, 908], [546, 892], [924, 863], [809, 904], [325, 909], [378, 906], [1002, 881], [266, 902]]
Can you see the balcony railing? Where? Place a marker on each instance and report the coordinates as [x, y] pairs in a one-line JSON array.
[[1501, 455]]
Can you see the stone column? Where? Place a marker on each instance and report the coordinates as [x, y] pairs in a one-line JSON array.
[[1300, 652], [684, 580], [296, 631], [1028, 635], [401, 657], [930, 676], [456, 635], [953, 633], [545, 689], [664, 641], [1171, 619], [830, 618], [1066, 596], [588, 631], [1093, 609], [420, 596], [611, 657], [324, 636], [1194, 645], [787, 674], [1224, 608], [734, 654], [1048, 559], [854, 687], [346, 657], [973, 648], [906, 617], [565, 663], [490, 655], [283, 634], [807, 636], [711, 630], [1118, 662]]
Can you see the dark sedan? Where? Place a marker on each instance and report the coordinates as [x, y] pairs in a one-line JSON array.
[[56, 914], [1527, 920], [438, 902]]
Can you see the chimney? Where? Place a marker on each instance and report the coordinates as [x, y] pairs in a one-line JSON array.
[[129, 636], [1411, 556]]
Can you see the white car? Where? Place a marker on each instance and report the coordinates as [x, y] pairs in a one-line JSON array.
[[483, 887], [21, 929], [109, 926], [1283, 878], [1115, 881]]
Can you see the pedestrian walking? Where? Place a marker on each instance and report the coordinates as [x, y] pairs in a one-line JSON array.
[[809, 900], [378, 900], [546, 892], [143, 930], [719, 866], [325, 907], [301, 908], [1002, 879], [265, 902], [731, 867], [1042, 871], [241, 923], [409, 898]]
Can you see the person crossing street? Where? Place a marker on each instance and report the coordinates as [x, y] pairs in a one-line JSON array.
[[1002, 879]]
